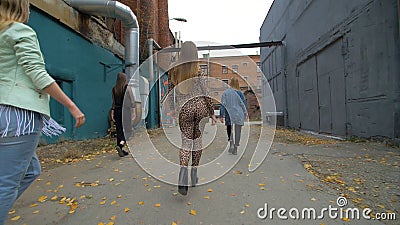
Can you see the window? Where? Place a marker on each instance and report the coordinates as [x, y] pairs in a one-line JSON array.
[[245, 64], [204, 69], [258, 67], [225, 81], [235, 68], [246, 77], [259, 78], [224, 69]]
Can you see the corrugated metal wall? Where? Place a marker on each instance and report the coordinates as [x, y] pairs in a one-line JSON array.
[[338, 72]]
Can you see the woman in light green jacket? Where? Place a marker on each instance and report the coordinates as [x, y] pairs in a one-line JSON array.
[[25, 87]]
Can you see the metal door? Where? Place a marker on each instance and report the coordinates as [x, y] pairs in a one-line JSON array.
[[308, 95], [331, 86]]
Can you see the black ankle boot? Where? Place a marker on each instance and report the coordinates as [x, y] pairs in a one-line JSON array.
[[234, 151], [120, 151], [193, 176], [231, 146], [183, 181]]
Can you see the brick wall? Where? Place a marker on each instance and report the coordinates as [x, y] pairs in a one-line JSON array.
[[253, 108], [153, 22]]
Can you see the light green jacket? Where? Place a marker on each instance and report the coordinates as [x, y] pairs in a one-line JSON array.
[[22, 70]]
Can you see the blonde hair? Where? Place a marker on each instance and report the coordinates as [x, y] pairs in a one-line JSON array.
[[186, 67], [234, 83], [13, 11]]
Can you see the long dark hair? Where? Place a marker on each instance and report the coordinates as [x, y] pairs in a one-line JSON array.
[[120, 84]]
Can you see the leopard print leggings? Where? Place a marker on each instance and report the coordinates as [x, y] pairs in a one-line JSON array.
[[192, 120]]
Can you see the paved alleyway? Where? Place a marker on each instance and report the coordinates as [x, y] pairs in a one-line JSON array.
[[113, 190]]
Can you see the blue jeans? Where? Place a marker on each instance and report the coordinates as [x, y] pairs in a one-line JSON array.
[[19, 165]]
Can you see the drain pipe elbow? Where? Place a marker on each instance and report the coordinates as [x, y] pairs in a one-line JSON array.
[[115, 9]]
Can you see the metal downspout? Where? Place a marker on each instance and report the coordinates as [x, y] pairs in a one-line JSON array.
[[115, 9]]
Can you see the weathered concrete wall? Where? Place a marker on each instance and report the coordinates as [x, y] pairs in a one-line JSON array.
[[91, 28], [338, 72]]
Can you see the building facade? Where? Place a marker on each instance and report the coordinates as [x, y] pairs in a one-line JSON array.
[[338, 71], [84, 53], [246, 69]]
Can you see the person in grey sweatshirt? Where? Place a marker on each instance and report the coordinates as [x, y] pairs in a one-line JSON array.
[[233, 111]]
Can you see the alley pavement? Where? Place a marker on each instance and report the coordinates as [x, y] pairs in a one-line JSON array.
[[113, 190]]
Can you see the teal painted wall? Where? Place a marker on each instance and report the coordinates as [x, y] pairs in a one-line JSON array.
[[75, 63], [152, 120]]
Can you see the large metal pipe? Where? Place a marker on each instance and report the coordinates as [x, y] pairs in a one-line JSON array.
[[115, 9]]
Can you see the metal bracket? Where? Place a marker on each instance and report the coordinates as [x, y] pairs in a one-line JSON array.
[[107, 68]]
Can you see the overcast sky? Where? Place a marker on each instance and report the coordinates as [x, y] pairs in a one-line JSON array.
[[219, 21]]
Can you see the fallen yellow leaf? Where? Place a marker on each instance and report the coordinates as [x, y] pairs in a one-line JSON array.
[[113, 202], [381, 206], [351, 189], [157, 205], [103, 202], [261, 185], [73, 206], [36, 212], [346, 219], [141, 203], [54, 198], [11, 212], [126, 210], [119, 196], [206, 197], [101, 223], [42, 198], [110, 223], [209, 190], [173, 223], [15, 218], [307, 166], [113, 218], [62, 200], [193, 212]]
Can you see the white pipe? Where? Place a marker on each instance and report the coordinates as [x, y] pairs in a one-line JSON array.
[[122, 12], [150, 42]]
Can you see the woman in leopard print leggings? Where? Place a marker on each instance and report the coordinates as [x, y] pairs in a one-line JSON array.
[[194, 108]]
